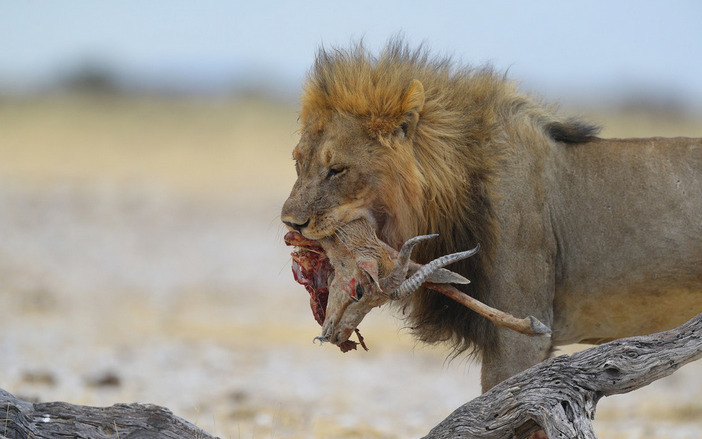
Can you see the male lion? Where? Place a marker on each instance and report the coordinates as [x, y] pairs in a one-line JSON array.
[[597, 238]]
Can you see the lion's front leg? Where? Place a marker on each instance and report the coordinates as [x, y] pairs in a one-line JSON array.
[[514, 353], [522, 285]]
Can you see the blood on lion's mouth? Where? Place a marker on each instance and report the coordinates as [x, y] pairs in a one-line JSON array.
[[312, 269]]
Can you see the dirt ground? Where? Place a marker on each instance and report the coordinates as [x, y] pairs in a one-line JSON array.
[[141, 260]]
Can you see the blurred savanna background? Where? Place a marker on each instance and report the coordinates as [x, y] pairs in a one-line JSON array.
[[145, 155]]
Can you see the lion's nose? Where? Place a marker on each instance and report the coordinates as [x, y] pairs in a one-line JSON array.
[[297, 226]]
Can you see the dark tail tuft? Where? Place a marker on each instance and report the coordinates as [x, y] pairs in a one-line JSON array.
[[572, 131]]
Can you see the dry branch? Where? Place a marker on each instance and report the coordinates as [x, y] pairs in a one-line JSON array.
[[560, 395], [21, 419]]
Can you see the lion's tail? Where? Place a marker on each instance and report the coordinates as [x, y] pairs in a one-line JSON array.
[[572, 131]]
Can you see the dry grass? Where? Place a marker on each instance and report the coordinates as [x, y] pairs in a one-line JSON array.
[[644, 123], [210, 146]]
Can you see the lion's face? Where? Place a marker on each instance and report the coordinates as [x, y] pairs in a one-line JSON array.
[[335, 179]]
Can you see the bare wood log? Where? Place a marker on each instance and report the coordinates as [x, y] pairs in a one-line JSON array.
[[21, 419], [560, 395]]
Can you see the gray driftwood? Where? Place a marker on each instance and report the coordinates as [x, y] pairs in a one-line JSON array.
[[54, 420], [559, 395]]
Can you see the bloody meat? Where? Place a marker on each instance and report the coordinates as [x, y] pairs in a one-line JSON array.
[[312, 269]]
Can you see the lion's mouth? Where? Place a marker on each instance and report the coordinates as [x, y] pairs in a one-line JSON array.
[[312, 269]]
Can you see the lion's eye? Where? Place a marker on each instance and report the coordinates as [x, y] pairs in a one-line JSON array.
[[337, 170]]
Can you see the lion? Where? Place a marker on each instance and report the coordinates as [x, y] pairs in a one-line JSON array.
[[597, 238]]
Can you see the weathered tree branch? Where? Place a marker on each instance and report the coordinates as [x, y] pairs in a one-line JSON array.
[[21, 420], [559, 395]]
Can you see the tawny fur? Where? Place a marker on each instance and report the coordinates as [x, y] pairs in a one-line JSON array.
[[417, 145], [442, 184]]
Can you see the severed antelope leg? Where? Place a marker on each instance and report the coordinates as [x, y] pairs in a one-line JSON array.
[[529, 325]]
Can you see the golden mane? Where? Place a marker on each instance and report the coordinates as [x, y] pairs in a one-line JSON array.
[[444, 182]]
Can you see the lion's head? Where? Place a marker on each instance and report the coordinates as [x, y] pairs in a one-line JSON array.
[[347, 168]]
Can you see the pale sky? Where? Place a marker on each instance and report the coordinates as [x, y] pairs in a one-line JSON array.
[[556, 48]]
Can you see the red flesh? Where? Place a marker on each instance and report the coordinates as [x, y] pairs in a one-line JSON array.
[[311, 268]]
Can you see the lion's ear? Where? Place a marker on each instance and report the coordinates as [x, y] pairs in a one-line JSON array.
[[412, 105]]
